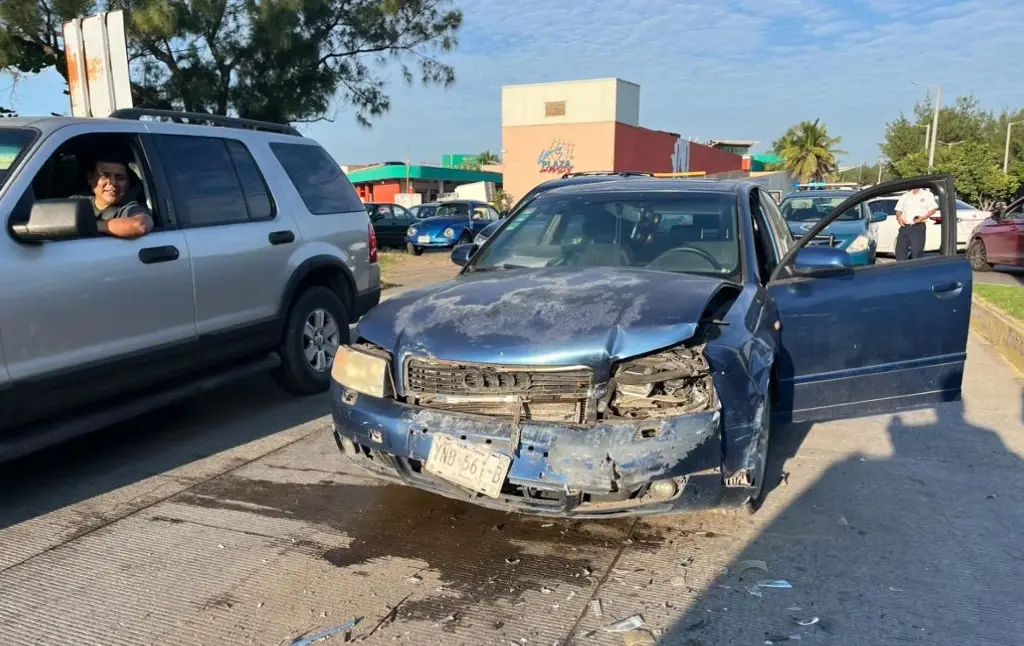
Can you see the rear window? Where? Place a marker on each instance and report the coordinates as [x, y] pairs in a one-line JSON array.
[[13, 142], [317, 178]]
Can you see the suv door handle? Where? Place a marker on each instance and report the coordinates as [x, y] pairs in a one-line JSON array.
[[151, 255], [947, 290], [281, 237]]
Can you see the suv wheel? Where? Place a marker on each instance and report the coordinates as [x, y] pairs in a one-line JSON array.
[[317, 325], [413, 249]]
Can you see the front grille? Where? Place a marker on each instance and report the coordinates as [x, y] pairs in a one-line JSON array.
[[825, 241], [538, 393]]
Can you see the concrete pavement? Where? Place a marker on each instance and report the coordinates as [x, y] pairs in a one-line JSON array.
[[230, 520]]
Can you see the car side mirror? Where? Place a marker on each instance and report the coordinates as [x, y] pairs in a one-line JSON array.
[[818, 261], [463, 253], [879, 216], [57, 219]]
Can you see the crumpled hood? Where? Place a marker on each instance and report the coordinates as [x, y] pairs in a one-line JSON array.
[[841, 230], [552, 316]]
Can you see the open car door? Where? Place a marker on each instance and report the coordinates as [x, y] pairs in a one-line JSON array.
[[876, 338]]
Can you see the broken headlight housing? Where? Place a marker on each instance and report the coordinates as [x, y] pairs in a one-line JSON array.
[[364, 369], [666, 384]]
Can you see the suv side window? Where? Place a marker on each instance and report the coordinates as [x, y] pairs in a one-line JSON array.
[[206, 189], [257, 197], [318, 179]]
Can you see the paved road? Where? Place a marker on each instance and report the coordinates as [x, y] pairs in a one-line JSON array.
[[229, 520]]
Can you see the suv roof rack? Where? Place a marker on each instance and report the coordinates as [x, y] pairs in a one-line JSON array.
[[211, 119], [624, 173]]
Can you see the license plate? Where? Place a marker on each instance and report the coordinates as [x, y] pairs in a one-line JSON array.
[[467, 465], [424, 239]]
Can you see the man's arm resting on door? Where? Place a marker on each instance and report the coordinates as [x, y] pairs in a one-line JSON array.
[[134, 222]]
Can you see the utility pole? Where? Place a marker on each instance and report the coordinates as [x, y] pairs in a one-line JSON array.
[[935, 122], [927, 135], [879, 170], [1006, 152]]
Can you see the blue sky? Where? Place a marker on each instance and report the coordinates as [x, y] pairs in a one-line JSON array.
[[728, 69]]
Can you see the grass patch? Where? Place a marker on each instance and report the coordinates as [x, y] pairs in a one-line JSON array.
[[389, 262], [1008, 298]]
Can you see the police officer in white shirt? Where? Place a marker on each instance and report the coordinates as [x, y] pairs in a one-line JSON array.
[[912, 212]]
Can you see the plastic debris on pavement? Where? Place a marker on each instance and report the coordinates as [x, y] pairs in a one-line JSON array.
[[324, 634], [625, 625], [806, 622], [595, 608], [778, 583], [743, 566]]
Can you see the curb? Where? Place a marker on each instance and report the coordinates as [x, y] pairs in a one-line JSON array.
[[1002, 331]]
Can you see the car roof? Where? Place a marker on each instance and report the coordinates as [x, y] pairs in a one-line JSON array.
[[638, 184]]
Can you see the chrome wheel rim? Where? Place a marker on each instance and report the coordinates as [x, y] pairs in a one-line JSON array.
[[320, 339], [977, 253]]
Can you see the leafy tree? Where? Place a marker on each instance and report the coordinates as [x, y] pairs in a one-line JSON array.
[[809, 153], [279, 60], [487, 157], [502, 201], [976, 161]]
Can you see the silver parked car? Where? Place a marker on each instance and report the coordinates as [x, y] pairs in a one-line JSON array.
[[260, 257]]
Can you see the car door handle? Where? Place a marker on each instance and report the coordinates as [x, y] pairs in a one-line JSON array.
[[151, 255], [947, 290], [281, 237]]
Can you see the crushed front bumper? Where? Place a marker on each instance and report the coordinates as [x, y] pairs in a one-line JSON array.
[[557, 470]]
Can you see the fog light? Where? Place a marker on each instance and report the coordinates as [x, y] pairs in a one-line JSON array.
[[663, 489]]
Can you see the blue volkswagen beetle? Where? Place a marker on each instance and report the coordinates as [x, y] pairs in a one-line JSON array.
[[855, 232], [455, 222], [632, 347]]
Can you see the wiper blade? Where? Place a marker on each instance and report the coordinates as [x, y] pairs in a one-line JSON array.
[[505, 265]]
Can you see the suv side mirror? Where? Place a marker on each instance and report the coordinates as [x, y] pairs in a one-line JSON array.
[[57, 219], [462, 254]]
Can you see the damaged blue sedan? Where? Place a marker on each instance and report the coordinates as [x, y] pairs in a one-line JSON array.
[[629, 347]]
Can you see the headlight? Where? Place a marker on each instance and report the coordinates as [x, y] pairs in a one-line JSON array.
[[860, 243], [666, 384], [449, 232], [411, 231], [362, 372]]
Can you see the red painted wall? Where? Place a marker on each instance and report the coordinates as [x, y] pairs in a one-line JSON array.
[[713, 160], [379, 192], [643, 149]]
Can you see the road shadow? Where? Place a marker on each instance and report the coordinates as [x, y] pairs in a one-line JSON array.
[[921, 547], [149, 445]]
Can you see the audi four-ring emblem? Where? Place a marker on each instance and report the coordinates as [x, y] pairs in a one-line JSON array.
[[491, 381]]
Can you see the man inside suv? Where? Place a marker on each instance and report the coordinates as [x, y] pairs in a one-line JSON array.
[[116, 215]]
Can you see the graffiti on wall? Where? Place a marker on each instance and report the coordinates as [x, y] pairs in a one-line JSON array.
[[557, 158]]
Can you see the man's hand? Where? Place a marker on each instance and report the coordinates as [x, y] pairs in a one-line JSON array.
[[132, 227], [899, 218]]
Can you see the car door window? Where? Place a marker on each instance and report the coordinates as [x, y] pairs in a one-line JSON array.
[[402, 214], [254, 186], [207, 190], [317, 177]]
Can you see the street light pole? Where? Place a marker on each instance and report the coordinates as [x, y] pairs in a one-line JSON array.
[[1006, 152]]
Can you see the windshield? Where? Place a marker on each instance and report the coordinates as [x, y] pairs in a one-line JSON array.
[[427, 211], [810, 209], [13, 142], [452, 210], [693, 232]]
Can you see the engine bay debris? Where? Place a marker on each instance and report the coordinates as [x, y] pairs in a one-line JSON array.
[[666, 384]]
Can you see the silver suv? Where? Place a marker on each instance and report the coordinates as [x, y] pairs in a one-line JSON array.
[[260, 257]]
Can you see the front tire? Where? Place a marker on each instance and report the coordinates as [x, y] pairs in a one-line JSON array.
[[978, 256], [413, 249], [317, 326]]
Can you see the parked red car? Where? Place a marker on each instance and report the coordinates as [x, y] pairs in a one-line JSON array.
[[999, 240]]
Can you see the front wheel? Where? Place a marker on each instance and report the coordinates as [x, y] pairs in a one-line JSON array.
[[977, 255], [317, 326], [413, 249]]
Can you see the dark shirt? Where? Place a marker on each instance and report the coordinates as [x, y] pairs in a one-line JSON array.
[[124, 210]]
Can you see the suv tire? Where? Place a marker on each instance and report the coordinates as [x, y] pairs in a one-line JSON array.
[[301, 347]]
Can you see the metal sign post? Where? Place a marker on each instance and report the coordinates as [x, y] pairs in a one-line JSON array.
[[98, 73]]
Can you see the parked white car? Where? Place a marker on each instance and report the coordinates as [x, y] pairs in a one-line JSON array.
[[967, 218]]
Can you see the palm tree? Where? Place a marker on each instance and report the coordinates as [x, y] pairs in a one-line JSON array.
[[810, 154], [487, 157]]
